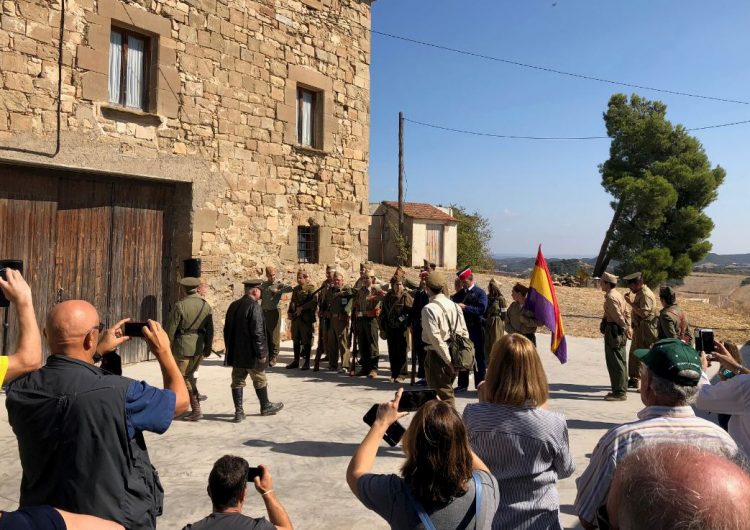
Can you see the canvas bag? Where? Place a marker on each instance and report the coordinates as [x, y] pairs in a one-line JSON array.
[[461, 348]]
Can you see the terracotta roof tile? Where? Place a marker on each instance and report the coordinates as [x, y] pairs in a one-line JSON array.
[[421, 210]]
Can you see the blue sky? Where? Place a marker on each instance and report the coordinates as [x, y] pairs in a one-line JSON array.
[[549, 192]]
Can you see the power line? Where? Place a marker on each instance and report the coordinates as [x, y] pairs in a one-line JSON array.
[[521, 137], [555, 71]]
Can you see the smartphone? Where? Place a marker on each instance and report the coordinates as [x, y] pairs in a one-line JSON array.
[[411, 400], [394, 433], [15, 264], [707, 340], [134, 329], [698, 340], [254, 472]]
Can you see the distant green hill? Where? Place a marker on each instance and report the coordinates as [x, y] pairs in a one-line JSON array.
[[731, 261]]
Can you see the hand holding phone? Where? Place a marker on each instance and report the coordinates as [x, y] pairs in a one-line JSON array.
[[411, 400], [133, 329], [394, 432]]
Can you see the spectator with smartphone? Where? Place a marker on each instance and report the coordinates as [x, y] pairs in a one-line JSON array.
[[730, 396], [442, 482], [80, 428], [227, 488], [524, 444], [28, 354], [669, 385]]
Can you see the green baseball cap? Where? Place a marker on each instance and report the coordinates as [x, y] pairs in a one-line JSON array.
[[674, 360]]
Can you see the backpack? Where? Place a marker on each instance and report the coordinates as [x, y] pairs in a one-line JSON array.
[[461, 348]]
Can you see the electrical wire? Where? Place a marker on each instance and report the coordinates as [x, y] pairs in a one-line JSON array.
[[555, 71], [521, 137]]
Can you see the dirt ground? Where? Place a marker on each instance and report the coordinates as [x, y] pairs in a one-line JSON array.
[[582, 306]]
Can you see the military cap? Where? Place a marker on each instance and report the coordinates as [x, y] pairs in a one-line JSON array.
[[667, 293], [331, 268], [255, 282], [635, 277], [435, 281], [464, 273], [674, 360], [190, 282], [369, 272], [609, 277]]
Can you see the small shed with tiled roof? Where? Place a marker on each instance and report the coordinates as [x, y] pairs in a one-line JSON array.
[[431, 233]]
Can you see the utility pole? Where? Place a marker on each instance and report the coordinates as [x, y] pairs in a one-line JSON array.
[[401, 230]]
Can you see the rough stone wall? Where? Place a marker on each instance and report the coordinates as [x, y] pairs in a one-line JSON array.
[[225, 73]]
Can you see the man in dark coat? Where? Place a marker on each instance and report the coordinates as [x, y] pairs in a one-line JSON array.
[[247, 350], [473, 301]]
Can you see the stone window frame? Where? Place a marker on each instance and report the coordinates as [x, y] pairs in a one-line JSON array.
[[148, 81], [313, 4], [309, 254], [94, 57], [309, 79]]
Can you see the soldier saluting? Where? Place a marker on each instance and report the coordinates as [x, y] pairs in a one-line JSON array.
[[302, 314]]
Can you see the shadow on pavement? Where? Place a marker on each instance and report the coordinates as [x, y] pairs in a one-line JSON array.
[[590, 424], [564, 387], [583, 397], [317, 448], [219, 417]]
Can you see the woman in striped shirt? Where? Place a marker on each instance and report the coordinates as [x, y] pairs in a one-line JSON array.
[[524, 445]]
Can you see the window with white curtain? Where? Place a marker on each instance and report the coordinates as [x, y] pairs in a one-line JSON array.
[[128, 69], [307, 111]]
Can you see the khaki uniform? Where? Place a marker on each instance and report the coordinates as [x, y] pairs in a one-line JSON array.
[[494, 327], [367, 309], [339, 303], [645, 323], [616, 327], [394, 321], [324, 321], [673, 323], [190, 329], [303, 325], [269, 303], [516, 321], [438, 318]]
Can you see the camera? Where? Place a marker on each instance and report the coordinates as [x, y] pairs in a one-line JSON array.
[[704, 340], [15, 264], [253, 472]]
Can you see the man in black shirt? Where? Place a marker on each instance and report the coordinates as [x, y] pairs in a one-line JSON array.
[[227, 486]]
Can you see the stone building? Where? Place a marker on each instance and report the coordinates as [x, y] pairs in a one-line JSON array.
[[431, 234], [156, 130]]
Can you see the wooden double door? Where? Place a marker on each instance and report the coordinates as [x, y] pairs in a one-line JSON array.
[[104, 240]]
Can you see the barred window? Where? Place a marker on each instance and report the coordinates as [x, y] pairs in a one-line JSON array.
[[307, 244]]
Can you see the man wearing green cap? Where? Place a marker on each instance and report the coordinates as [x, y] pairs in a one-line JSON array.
[[190, 328], [669, 385], [673, 321], [644, 320], [616, 329]]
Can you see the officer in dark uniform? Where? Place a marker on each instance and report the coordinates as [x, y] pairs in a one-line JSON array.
[[247, 350], [190, 328]]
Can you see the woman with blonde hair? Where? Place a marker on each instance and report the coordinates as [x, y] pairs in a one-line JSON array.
[[442, 485], [524, 445]]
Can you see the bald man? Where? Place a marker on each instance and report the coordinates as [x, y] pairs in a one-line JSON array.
[[673, 485], [28, 354], [80, 428]]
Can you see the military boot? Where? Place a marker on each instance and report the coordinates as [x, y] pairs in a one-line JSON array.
[[201, 397], [266, 407], [195, 407], [239, 413], [295, 362], [306, 351]]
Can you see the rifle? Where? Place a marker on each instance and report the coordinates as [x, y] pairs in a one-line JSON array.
[[413, 358], [355, 346], [293, 307]]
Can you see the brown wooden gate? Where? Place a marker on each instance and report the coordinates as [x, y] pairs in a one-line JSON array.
[[434, 244], [104, 240]]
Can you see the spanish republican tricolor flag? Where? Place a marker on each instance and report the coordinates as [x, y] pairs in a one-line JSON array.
[[541, 300]]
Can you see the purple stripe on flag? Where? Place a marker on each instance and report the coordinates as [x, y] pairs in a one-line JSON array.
[[562, 351], [542, 308]]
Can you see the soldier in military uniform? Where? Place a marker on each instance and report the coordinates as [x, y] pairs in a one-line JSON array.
[[271, 291], [339, 303], [673, 322], [324, 321], [616, 329], [644, 320], [367, 310], [302, 314], [394, 322], [247, 350], [190, 328]]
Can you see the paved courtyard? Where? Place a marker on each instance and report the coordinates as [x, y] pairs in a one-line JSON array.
[[308, 445]]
